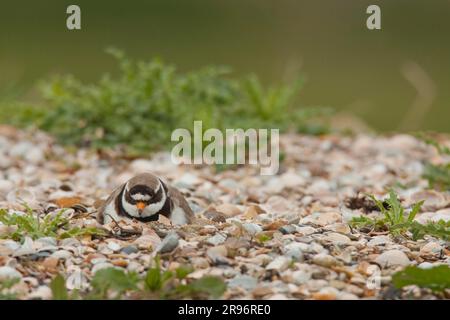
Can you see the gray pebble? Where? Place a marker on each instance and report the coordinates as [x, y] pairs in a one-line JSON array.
[[169, 243], [129, 249], [243, 281]]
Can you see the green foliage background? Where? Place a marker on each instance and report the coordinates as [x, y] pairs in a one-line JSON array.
[[141, 107]]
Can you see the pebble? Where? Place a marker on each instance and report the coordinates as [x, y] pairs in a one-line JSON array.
[[50, 263], [323, 218], [114, 246], [25, 249], [5, 187], [216, 239], [148, 241], [217, 254], [433, 200], [379, 241], [426, 265], [62, 254], [7, 273], [252, 228], [243, 281], [306, 230], [200, 263], [169, 243], [288, 229], [100, 266], [279, 264], [431, 248], [215, 216], [228, 210], [294, 251], [129, 249], [325, 260], [42, 292], [392, 258], [337, 238], [301, 277]]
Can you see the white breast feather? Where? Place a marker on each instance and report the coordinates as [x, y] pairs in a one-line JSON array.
[[178, 216]]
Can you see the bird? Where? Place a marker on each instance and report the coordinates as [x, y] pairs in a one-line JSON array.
[[144, 197]]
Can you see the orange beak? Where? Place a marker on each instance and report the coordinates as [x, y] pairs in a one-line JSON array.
[[141, 206]]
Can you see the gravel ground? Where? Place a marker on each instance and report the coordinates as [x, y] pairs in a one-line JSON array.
[[269, 237]]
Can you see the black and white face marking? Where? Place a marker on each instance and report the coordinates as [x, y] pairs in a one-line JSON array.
[[141, 201]]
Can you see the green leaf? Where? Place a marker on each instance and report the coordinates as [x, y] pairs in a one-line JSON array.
[[210, 285], [58, 287], [115, 279], [436, 278], [416, 208], [183, 271], [153, 279]]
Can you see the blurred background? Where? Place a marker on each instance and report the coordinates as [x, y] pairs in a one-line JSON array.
[[394, 78]]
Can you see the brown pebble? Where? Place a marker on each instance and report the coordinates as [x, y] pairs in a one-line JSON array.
[[120, 262]]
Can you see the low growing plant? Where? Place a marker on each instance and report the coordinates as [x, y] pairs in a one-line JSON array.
[[141, 107], [438, 175], [437, 278], [397, 222], [155, 284], [30, 224]]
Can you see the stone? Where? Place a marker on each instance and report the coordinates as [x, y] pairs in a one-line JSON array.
[[169, 243], [326, 293], [6, 186], [217, 254], [325, 260], [392, 258], [25, 249], [50, 263], [8, 273], [431, 249], [301, 277], [100, 266], [252, 228], [200, 263], [279, 264], [294, 251], [243, 281], [216, 239], [322, 218], [433, 200], [337, 238], [339, 228], [129, 249], [379, 241], [288, 229], [214, 216], [148, 241], [62, 254], [228, 210], [114, 246]]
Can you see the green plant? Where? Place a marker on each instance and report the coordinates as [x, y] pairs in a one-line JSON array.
[[155, 284], [439, 229], [141, 107], [397, 222], [394, 214], [5, 286], [437, 278], [32, 225], [438, 176]]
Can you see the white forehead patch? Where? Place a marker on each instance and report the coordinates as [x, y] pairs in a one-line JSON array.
[[141, 197]]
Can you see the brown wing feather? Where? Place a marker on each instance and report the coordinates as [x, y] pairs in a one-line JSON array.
[[112, 197], [179, 200]]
